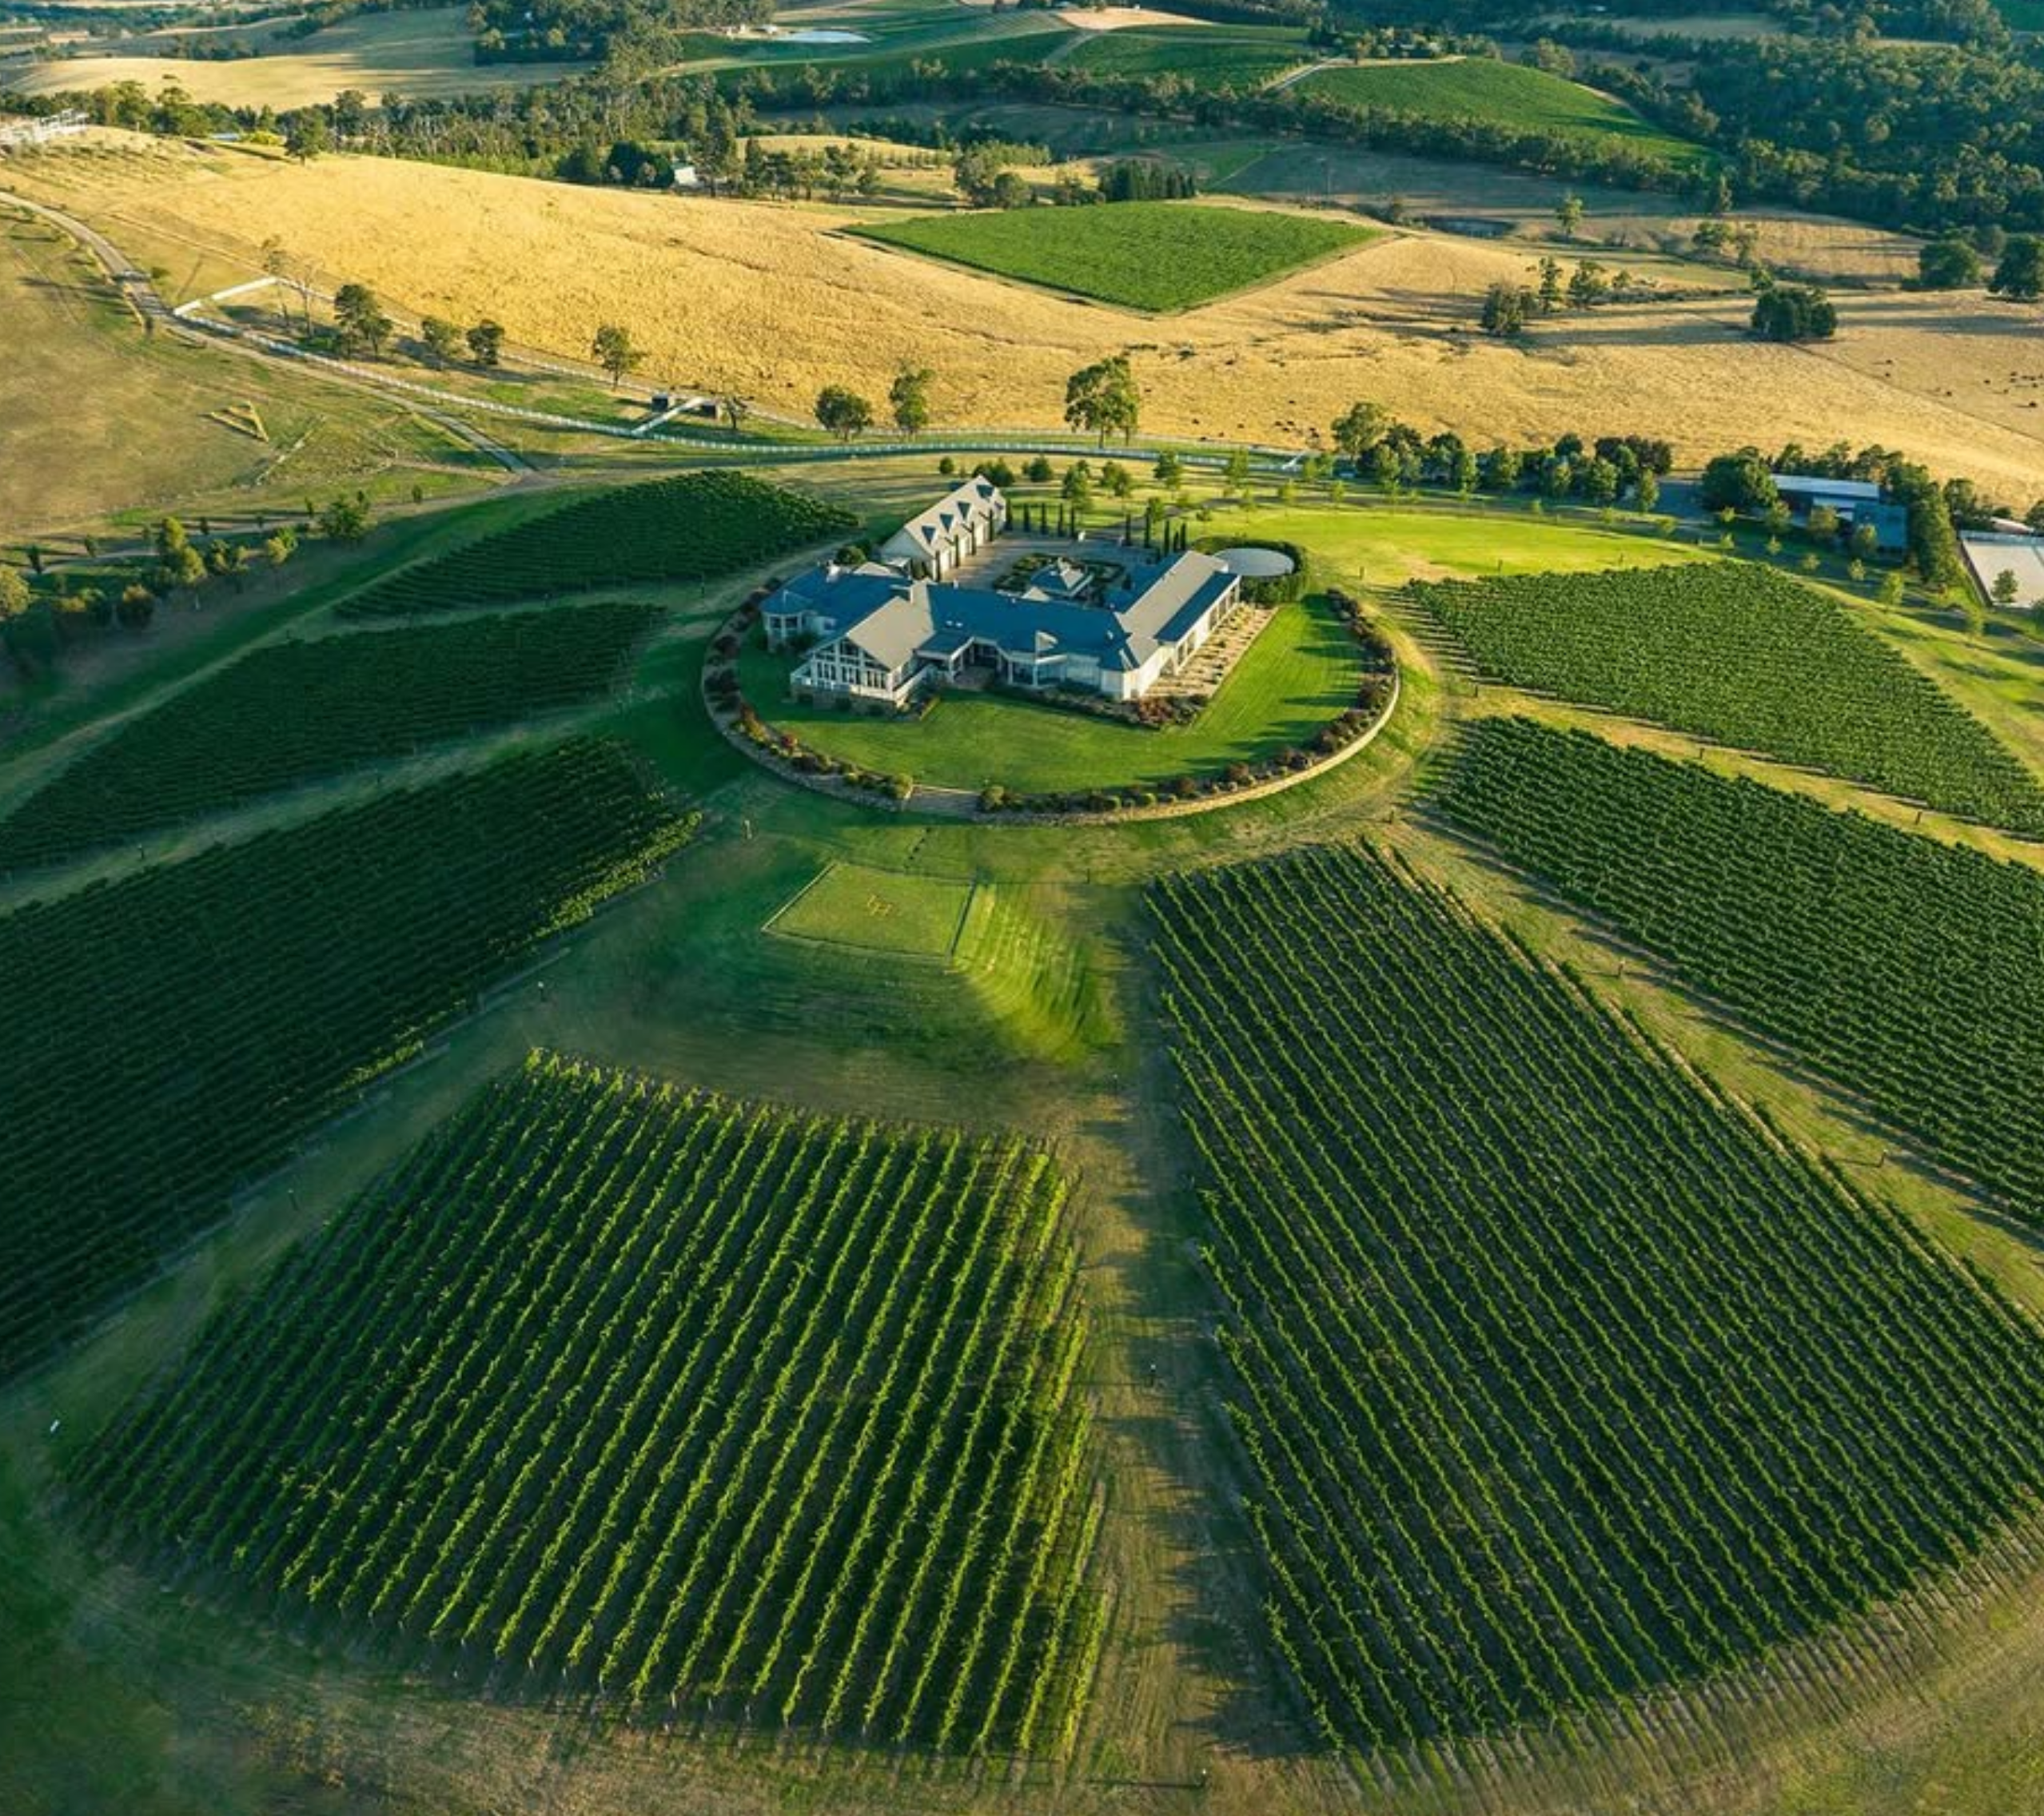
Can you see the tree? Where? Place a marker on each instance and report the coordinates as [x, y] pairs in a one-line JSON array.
[[1950, 262], [345, 519], [279, 547], [1462, 472], [1116, 478], [1647, 493], [1865, 542], [363, 325], [1588, 284], [1076, 490], [1360, 427], [442, 337], [1568, 214], [612, 350], [137, 606], [734, 409], [1038, 471], [306, 135], [1504, 310], [486, 343], [1600, 482], [1794, 312], [14, 593], [843, 412], [1103, 399], [1739, 482], [1551, 284], [909, 397], [1170, 471], [1891, 589], [2019, 276], [2007, 588], [1237, 472]]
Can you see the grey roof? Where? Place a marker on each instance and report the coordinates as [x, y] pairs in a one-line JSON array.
[[1800, 485], [843, 595], [1161, 603], [975, 499]]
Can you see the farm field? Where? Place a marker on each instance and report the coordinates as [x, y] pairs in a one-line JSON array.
[[417, 54], [1206, 56], [1155, 256], [1003, 977], [709, 1392], [1815, 928], [1734, 651], [224, 1006], [1456, 1203], [870, 910], [1301, 671], [1508, 96], [737, 296], [352, 701], [693, 526]]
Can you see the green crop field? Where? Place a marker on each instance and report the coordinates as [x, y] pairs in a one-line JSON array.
[[1734, 651], [695, 527], [1157, 256], [1508, 96], [170, 1036], [1204, 56], [290, 712], [854, 904], [1562, 1379], [1298, 675], [692, 1403], [1904, 969]]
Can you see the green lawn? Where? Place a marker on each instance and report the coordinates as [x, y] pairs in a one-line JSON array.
[[854, 904], [1506, 95], [1158, 256], [1296, 677]]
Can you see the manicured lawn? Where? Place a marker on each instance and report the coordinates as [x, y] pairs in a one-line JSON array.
[[1296, 677], [1140, 255], [854, 904], [1508, 95]]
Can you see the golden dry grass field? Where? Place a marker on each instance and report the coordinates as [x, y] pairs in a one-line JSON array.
[[772, 301], [425, 53]]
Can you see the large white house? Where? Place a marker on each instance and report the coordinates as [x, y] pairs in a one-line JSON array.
[[884, 631], [957, 527]]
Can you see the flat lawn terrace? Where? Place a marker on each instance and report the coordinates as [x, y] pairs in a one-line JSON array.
[[1301, 671], [876, 911], [1157, 256], [1506, 95]]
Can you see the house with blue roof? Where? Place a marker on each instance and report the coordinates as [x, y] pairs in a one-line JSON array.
[[883, 634]]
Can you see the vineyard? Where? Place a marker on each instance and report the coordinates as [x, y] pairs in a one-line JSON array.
[[1560, 1377], [171, 1035], [702, 1405], [1905, 970], [1735, 652], [1139, 255], [696, 526], [291, 712]]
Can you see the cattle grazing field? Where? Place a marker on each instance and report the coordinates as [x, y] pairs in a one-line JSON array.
[[1154, 256], [766, 1417]]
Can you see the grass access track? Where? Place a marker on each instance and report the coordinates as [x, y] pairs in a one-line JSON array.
[[694, 526], [171, 1035], [1560, 1378], [1902, 969], [1508, 97], [1157, 256], [697, 1404], [293, 712], [1735, 652]]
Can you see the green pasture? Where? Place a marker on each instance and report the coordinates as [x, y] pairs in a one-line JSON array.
[[1155, 255], [870, 910]]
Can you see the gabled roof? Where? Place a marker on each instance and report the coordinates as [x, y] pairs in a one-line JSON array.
[[970, 503]]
